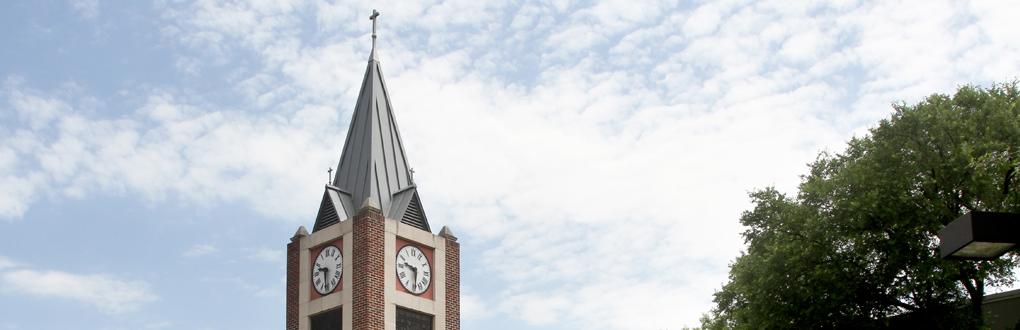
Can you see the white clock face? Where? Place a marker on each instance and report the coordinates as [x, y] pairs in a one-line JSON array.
[[326, 271], [413, 269]]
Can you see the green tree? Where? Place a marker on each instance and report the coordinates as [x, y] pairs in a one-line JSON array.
[[858, 244]]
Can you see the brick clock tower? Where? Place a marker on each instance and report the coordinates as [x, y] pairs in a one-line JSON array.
[[371, 260]]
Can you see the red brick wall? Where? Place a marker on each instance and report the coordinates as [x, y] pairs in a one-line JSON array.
[[368, 270], [293, 278], [452, 285]]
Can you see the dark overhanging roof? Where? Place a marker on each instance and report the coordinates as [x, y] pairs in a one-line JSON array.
[[373, 165]]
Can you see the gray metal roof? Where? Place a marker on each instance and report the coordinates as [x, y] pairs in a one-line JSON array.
[[373, 164]]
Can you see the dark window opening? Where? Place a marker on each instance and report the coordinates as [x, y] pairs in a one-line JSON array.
[[328, 320], [413, 320]]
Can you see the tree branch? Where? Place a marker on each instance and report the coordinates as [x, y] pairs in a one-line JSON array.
[[1009, 177], [903, 305], [971, 289]]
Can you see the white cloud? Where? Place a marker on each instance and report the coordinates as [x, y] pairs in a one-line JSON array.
[[574, 39], [88, 9], [273, 256], [703, 20], [214, 26], [38, 111], [169, 147], [6, 263], [244, 285], [159, 325], [107, 293], [617, 304], [19, 191], [472, 307], [268, 255], [460, 12], [804, 46], [199, 250]]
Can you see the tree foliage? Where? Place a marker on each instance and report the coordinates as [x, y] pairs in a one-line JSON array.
[[858, 243]]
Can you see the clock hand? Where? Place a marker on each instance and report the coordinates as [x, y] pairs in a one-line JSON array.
[[325, 273], [415, 269]]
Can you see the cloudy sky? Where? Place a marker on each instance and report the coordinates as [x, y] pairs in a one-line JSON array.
[[594, 158]]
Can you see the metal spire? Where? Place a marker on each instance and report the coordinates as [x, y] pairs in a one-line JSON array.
[[375, 14], [373, 168]]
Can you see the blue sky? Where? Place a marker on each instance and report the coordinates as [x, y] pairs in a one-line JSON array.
[[594, 158]]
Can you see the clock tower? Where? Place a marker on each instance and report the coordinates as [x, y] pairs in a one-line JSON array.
[[371, 260]]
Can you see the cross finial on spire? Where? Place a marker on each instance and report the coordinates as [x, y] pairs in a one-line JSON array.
[[329, 175], [375, 14]]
